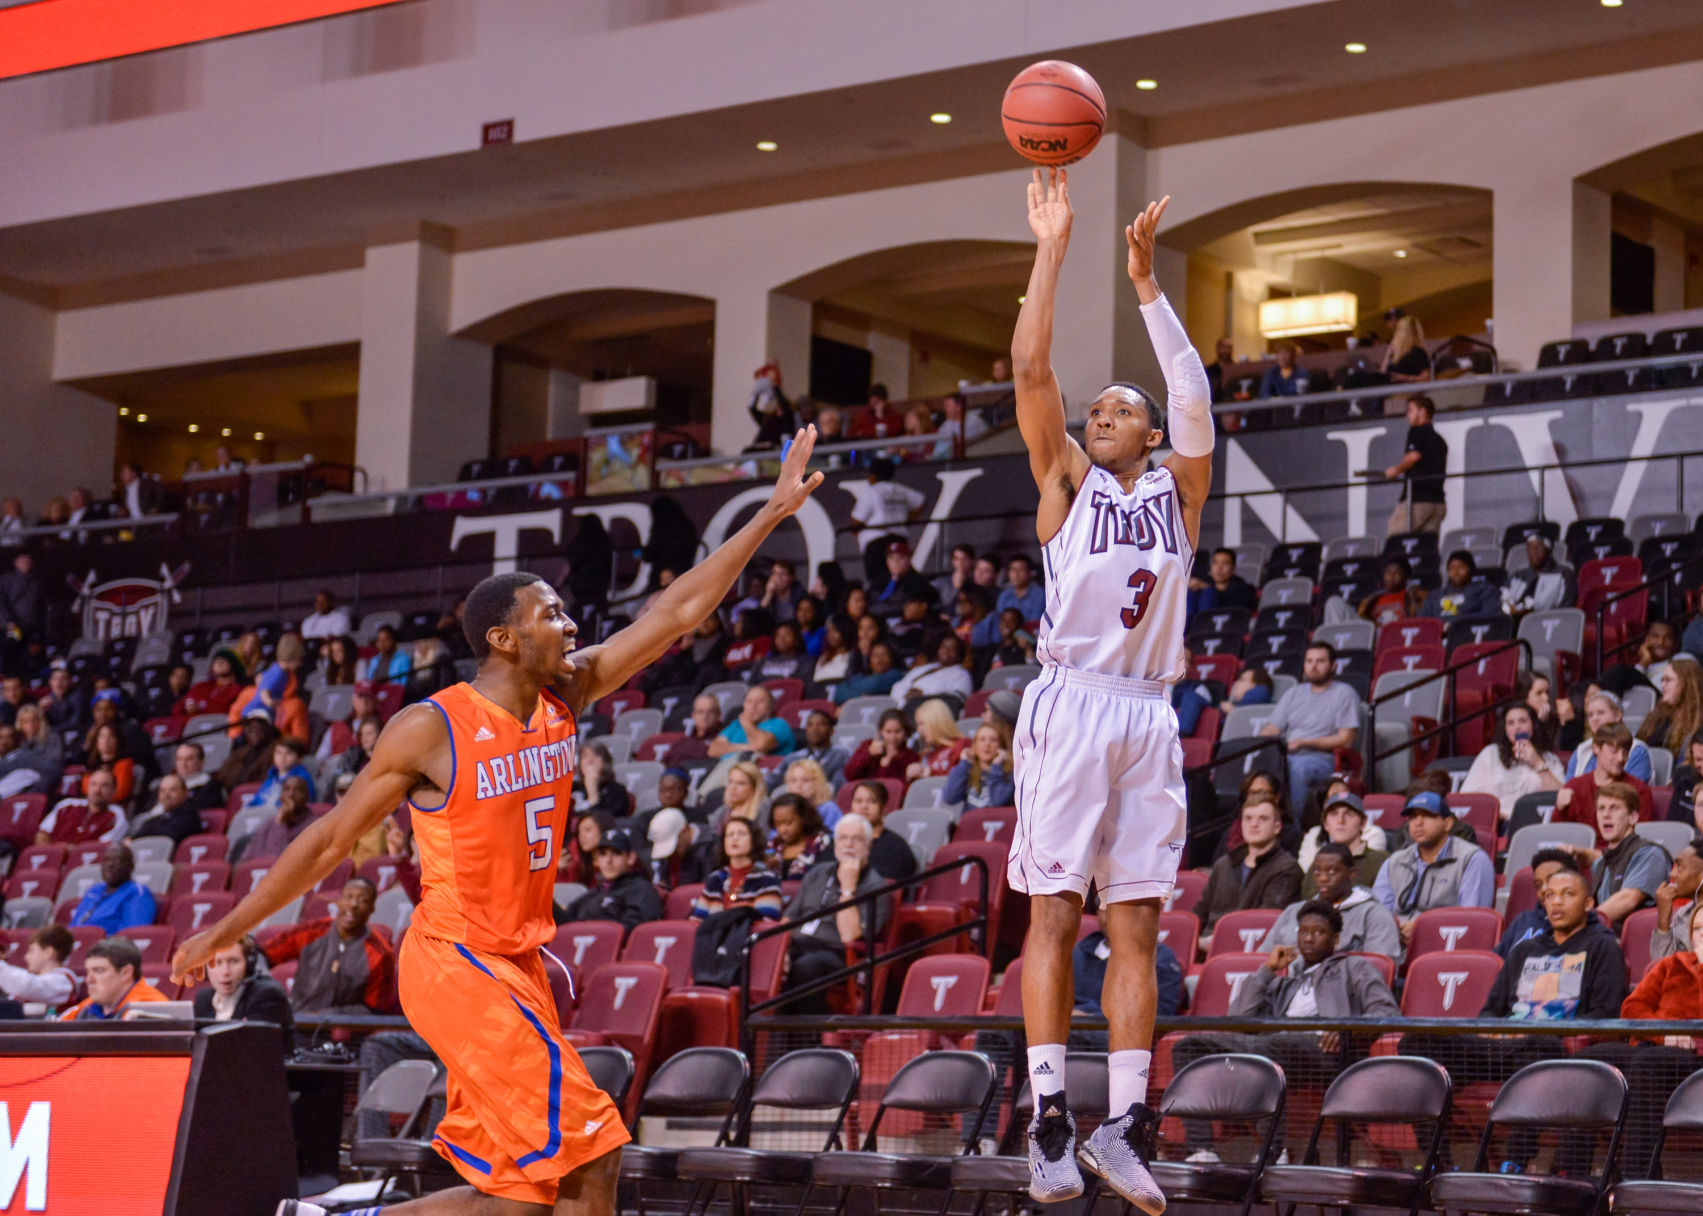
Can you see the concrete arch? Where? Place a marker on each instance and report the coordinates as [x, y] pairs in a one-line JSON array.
[[1243, 213], [604, 302]]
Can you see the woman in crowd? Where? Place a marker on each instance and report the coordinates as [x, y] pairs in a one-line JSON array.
[[807, 780], [811, 622], [970, 620], [856, 603], [919, 421], [595, 787], [340, 660], [1406, 360], [35, 764], [226, 677], [251, 655], [430, 671], [1535, 690], [354, 759], [576, 863], [740, 878], [106, 751], [1679, 713], [1514, 765], [837, 657], [390, 663], [1687, 784], [743, 797], [786, 659], [878, 678], [984, 776], [887, 754], [1252, 686], [800, 838], [940, 742], [1016, 644]]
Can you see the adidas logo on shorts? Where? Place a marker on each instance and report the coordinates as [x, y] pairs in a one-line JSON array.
[[483, 735], [1055, 869]]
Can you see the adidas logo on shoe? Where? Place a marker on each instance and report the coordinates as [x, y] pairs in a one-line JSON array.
[[1052, 1112], [483, 735]]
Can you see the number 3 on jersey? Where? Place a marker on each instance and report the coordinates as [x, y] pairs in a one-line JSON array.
[[540, 836], [1143, 582]]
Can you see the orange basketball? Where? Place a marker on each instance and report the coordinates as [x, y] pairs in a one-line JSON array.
[[1053, 113]]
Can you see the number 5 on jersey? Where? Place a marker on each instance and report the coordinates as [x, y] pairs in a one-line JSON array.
[[1143, 582], [540, 836]]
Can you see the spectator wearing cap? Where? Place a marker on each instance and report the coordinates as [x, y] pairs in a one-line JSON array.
[[172, 816], [44, 983], [226, 677], [326, 620], [113, 976], [1603, 708], [1463, 593], [1611, 747], [1258, 873], [673, 861], [1677, 901], [1021, 591], [904, 583], [1545, 582], [881, 509], [117, 901], [1438, 870], [756, 729], [942, 674], [342, 966], [1367, 926], [1628, 870], [622, 893], [291, 818], [97, 816], [819, 746], [1343, 821]]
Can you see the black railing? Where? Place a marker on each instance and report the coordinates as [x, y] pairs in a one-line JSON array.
[[1670, 566], [1455, 717]]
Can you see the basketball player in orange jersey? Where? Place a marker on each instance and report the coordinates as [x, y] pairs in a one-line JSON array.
[[486, 767], [1099, 766]]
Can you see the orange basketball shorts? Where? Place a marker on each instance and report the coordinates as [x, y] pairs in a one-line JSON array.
[[522, 1112]]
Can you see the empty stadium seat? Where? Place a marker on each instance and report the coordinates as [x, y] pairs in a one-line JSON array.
[[588, 944], [1180, 930], [1241, 931], [668, 944], [190, 914], [924, 829], [988, 824], [202, 847], [1446, 929], [1220, 979]]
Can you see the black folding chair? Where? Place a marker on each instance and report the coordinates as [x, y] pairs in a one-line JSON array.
[[1383, 1089], [697, 1082], [1007, 1174], [1577, 1095], [944, 1083], [814, 1079], [611, 1070], [1684, 1113], [1230, 1088]]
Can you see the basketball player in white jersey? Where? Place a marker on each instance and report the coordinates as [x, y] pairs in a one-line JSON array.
[[1099, 766]]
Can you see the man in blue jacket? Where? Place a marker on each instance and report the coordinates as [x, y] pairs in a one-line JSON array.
[[118, 901]]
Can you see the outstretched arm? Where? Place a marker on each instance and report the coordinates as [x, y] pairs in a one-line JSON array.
[[395, 770], [600, 670], [1056, 460], [1188, 393]]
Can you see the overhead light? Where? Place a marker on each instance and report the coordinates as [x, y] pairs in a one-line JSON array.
[[1147, 85], [940, 120], [1401, 253], [1020, 299], [193, 428], [225, 431], [1612, 3], [1332, 313], [124, 411], [259, 435], [766, 145], [1355, 48], [141, 417]]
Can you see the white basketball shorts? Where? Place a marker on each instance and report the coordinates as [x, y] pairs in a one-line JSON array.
[[1100, 792]]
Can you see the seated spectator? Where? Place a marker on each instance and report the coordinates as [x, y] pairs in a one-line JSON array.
[[705, 722], [277, 690], [1438, 870], [959, 575], [577, 862], [64, 706], [1628, 870], [1314, 718], [226, 678], [751, 629], [1286, 379], [1660, 644], [800, 838], [287, 756], [984, 775], [889, 854], [903, 582], [1021, 590], [291, 819], [818, 946], [400, 848], [805, 779], [1574, 970], [205, 792], [744, 796], [1678, 714], [1405, 359], [973, 619], [431, 670], [1392, 601], [340, 660], [881, 672], [1604, 709], [741, 878], [238, 991], [1222, 587], [1577, 801], [787, 658], [106, 755], [326, 620], [1258, 873], [1343, 821], [819, 746], [34, 763], [781, 590], [1328, 983], [1683, 805], [944, 674], [1367, 926], [44, 983], [113, 975], [76, 821], [622, 892], [916, 629], [811, 619], [172, 816], [13, 696], [919, 421], [757, 728], [251, 756], [673, 788], [1545, 583], [595, 787], [1534, 921], [390, 664], [886, 754], [1462, 594], [672, 858], [161, 701], [340, 735], [107, 710], [838, 657], [1015, 645], [1190, 695], [939, 742], [351, 760], [1089, 961], [331, 976], [1513, 766]]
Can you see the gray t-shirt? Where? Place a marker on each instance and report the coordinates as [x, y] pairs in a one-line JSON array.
[[1308, 713]]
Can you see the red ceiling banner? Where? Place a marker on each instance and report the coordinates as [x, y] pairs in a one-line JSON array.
[[40, 35]]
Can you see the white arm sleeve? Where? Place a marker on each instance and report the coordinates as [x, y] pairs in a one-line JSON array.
[[1188, 403]]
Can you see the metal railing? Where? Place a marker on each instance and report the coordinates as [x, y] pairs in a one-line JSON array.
[[1456, 717], [1670, 568]]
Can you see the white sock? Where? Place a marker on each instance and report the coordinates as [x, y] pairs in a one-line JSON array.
[[1046, 1070], [1126, 1075]]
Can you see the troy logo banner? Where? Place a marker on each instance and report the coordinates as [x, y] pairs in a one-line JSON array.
[[126, 607]]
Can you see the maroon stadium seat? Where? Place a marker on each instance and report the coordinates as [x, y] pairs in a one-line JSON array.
[[987, 825], [207, 846], [1241, 931], [1221, 667], [164, 730], [215, 820], [944, 986], [202, 876], [40, 883], [798, 712], [667, 943], [1189, 885], [1410, 631], [785, 689], [155, 942], [618, 703], [1635, 941], [332, 883], [587, 944], [677, 904], [1449, 984], [40, 857], [1220, 978], [20, 817], [248, 874], [86, 936], [621, 1003], [190, 914], [1181, 932], [1407, 658], [239, 795], [380, 871]]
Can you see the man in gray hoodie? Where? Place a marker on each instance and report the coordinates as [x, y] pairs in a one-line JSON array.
[[1367, 926], [1310, 979]]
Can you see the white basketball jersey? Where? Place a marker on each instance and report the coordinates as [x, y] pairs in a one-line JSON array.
[[1117, 580]]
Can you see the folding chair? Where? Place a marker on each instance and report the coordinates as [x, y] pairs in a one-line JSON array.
[[1654, 1195], [697, 1082], [1007, 1174], [1230, 1089]]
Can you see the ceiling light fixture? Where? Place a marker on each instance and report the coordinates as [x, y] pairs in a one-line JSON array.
[[1355, 48], [1401, 253], [1612, 3], [1147, 86], [1293, 316], [940, 120], [766, 145], [193, 428], [141, 417], [1020, 299], [124, 411], [259, 436], [225, 431]]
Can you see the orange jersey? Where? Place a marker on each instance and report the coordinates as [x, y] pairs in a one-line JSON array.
[[488, 853]]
